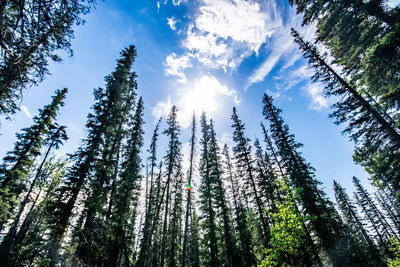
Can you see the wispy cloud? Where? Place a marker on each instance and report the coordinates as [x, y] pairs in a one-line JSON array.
[[318, 101], [282, 49], [162, 108], [175, 66], [26, 112], [176, 2], [223, 33], [172, 23]]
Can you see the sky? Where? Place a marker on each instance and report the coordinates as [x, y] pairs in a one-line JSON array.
[[200, 55]]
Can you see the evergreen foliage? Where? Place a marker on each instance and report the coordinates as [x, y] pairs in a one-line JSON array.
[[17, 164], [32, 32]]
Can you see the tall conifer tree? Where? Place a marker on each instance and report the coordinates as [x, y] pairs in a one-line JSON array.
[[17, 164], [32, 32], [105, 131], [326, 222], [245, 162]]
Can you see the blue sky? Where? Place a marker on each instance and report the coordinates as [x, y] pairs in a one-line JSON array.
[[205, 55]]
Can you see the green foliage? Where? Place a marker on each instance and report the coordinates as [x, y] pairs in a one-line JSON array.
[[32, 34], [396, 250], [287, 232], [18, 163]]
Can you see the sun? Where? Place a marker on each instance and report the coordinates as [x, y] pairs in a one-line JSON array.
[[204, 94]]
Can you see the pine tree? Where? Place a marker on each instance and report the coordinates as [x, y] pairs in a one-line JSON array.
[[124, 212], [210, 247], [173, 161], [356, 224], [32, 32], [152, 206], [326, 222], [245, 246], [244, 162], [105, 131], [219, 195], [363, 38], [188, 197], [17, 164], [368, 125], [55, 138]]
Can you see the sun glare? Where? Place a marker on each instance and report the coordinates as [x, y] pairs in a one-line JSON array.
[[205, 94]]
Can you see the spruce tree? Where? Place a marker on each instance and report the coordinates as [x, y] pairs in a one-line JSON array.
[[374, 133], [326, 221], [124, 212], [382, 228], [220, 199], [357, 226], [152, 206], [105, 131], [245, 164], [18, 162], [207, 204], [120, 92], [363, 38], [31, 239], [54, 140], [173, 161], [32, 33], [188, 196], [245, 245]]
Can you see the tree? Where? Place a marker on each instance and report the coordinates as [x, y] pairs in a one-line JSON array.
[[32, 32], [220, 199], [31, 239], [104, 125], [120, 93], [124, 212], [244, 162], [54, 140], [210, 246], [173, 161], [325, 220], [369, 127], [288, 238], [152, 207], [363, 38], [357, 226], [17, 164], [381, 227], [245, 247], [188, 198]]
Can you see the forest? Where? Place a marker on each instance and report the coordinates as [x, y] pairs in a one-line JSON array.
[[115, 202]]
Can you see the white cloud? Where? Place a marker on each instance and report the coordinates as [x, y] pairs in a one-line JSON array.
[[225, 32], [161, 109], [175, 66], [158, 6], [26, 111], [282, 48], [176, 2], [172, 23], [318, 100]]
